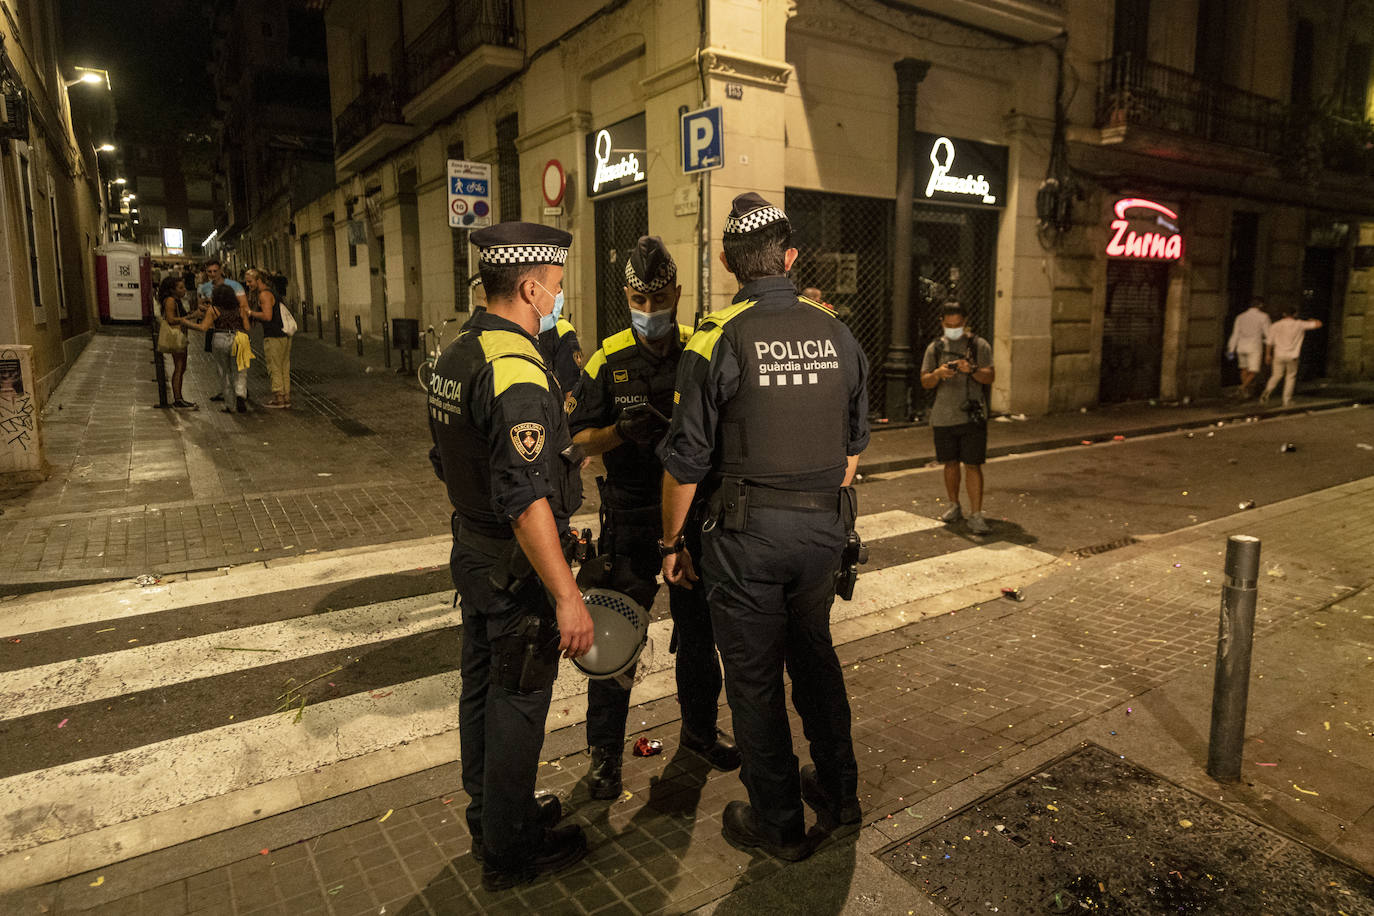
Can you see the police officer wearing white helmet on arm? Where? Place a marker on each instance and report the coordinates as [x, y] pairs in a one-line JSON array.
[[503, 450], [772, 414], [620, 409]]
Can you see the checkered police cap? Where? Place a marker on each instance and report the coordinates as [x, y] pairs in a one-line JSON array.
[[650, 267], [751, 212], [521, 243]]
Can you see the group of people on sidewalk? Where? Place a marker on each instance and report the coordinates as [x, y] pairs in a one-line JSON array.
[[224, 314], [1258, 341], [698, 431]]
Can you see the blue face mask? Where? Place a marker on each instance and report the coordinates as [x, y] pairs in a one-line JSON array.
[[954, 333], [652, 325], [547, 322]]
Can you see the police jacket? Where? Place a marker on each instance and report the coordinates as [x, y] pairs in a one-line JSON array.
[[496, 417], [622, 373], [772, 389], [562, 353]]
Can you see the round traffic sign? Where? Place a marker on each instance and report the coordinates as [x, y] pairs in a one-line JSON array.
[[554, 182], [458, 206]]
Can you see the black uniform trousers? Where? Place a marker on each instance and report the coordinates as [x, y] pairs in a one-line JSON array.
[[770, 588], [500, 731], [634, 567]]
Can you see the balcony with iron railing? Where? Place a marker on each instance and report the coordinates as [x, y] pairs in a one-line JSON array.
[[468, 47], [371, 126], [1138, 93]]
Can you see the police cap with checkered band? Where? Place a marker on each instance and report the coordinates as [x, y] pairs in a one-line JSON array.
[[750, 213], [650, 267], [513, 244]]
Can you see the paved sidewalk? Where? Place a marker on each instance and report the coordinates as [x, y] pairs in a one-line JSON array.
[[136, 490], [944, 710]]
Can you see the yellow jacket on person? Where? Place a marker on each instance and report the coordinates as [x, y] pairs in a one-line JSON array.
[[242, 350]]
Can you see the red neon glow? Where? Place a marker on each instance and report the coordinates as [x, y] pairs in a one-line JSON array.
[[1156, 246], [1127, 203]]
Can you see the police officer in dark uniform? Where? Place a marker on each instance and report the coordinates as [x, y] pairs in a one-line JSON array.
[[562, 352], [619, 411], [502, 448], [772, 414]]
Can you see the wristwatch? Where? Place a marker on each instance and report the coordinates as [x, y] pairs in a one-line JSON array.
[[667, 550]]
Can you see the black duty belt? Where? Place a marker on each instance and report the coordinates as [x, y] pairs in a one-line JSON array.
[[642, 517], [807, 500], [484, 543]]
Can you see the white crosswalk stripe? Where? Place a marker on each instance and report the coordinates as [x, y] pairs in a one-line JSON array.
[[86, 812]]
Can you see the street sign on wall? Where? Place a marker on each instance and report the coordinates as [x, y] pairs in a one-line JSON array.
[[469, 194], [703, 145]]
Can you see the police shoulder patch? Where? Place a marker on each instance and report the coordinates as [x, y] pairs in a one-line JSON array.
[[570, 405], [528, 439], [620, 375]]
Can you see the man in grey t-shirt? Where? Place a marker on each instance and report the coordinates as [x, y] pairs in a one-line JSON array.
[[958, 365]]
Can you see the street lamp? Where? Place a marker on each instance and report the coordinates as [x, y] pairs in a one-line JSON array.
[[121, 181], [92, 76], [105, 148]]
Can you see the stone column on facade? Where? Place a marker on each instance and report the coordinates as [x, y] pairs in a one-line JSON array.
[[899, 366]]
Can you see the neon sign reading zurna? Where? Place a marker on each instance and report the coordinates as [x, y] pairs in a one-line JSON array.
[[1153, 236]]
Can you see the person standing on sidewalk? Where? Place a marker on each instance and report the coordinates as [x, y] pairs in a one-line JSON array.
[[1283, 346], [771, 415], [618, 406], [276, 344], [225, 319], [503, 450], [170, 295], [958, 365], [214, 279], [1246, 345], [562, 352]]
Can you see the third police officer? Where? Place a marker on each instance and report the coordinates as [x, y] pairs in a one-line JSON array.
[[619, 411], [771, 415]]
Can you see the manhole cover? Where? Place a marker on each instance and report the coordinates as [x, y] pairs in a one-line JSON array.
[[1095, 833]]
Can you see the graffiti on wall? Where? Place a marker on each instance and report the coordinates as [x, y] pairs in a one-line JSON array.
[[16, 407]]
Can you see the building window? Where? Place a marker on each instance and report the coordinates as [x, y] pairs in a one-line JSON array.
[[57, 253], [508, 166], [26, 183], [1355, 80], [1304, 50]]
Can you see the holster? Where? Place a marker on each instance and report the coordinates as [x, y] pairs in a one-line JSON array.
[[527, 660]]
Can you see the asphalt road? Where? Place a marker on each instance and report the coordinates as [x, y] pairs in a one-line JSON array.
[[1079, 497]]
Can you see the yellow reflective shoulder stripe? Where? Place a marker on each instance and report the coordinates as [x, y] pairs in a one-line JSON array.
[[593, 367], [815, 305], [496, 344], [508, 371], [618, 341], [730, 312], [684, 332], [703, 342], [564, 326]]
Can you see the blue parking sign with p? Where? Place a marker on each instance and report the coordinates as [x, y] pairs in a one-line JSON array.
[[702, 141]]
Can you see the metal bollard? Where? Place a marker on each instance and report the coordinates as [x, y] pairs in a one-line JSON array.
[[338, 332], [159, 371], [1231, 689], [319, 322], [358, 329], [305, 318], [386, 345]]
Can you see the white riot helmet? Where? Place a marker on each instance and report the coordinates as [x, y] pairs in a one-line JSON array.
[[621, 628]]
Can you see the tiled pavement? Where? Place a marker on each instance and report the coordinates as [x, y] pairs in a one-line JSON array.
[[934, 703]]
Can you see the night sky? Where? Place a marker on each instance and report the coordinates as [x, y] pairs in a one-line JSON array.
[[156, 52]]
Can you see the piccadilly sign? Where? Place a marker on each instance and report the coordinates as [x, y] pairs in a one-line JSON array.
[[1150, 233], [959, 171], [615, 157]]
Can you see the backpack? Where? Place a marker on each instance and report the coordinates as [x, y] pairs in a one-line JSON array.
[[288, 321]]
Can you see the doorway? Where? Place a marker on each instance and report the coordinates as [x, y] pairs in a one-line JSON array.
[[1133, 331], [1240, 283], [620, 221], [1318, 286]]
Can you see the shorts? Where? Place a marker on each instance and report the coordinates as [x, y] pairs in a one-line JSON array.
[[1249, 360], [967, 442]]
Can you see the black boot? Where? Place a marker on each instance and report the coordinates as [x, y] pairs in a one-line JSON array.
[[827, 810], [721, 752], [741, 829], [241, 404], [604, 778], [550, 812], [561, 847]]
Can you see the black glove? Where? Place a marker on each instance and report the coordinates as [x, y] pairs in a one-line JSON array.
[[641, 424]]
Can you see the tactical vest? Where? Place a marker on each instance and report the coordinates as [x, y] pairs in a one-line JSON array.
[[462, 426], [634, 472], [787, 425]]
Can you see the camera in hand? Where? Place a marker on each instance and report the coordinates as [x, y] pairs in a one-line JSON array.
[[977, 413]]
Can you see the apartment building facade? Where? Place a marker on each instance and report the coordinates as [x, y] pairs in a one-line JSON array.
[[981, 150]]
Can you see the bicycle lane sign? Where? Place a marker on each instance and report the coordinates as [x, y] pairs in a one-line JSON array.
[[469, 194]]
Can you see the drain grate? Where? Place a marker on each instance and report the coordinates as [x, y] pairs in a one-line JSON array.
[[1094, 550], [1095, 833]]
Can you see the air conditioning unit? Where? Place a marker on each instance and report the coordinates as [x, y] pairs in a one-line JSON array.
[[14, 111]]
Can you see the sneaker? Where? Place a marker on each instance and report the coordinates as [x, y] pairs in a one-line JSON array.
[[187, 405], [561, 847], [830, 814], [741, 829], [549, 811], [720, 753], [978, 525], [604, 777], [952, 514], [277, 404]]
